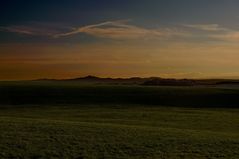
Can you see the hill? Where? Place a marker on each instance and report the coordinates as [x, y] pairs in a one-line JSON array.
[[150, 81]]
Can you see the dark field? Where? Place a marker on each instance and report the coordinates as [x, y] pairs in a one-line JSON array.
[[44, 93], [72, 120]]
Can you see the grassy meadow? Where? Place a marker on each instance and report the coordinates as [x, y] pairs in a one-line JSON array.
[[86, 121]]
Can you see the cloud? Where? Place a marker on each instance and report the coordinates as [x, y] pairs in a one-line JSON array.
[[206, 27], [229, 36], [216, 32], [18, 29], [35, 29], [121, 30]]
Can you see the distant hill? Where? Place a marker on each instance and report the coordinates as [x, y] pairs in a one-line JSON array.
[[189, 82], [170, 82], [151, 81], [99, 80]]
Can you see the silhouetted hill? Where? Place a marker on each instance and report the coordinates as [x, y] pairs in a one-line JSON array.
[[151, 81], [170, 82], [99, 80], [189, 82]]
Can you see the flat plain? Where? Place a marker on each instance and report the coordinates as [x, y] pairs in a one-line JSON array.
[[71, 120]]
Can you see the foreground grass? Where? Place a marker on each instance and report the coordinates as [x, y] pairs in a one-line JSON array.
[[118, 132]]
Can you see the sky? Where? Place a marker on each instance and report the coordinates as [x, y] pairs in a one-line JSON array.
[[119, 38]]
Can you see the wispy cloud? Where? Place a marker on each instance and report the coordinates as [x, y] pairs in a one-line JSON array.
[[17, 29], [35, 29], [206, 27], [229, 36], [216, 32], [122, 30]]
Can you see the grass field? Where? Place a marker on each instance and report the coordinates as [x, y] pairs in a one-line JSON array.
[[39, 120]]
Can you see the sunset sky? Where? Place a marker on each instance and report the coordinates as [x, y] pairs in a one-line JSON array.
[[119, 38]]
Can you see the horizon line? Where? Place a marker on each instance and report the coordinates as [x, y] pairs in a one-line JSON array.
[[115, 78]]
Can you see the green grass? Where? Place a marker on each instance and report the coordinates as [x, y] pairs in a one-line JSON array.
[[72, 120], [118, 132]]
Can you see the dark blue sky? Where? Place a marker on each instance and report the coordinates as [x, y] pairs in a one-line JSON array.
[[82, 12], [143, 13]]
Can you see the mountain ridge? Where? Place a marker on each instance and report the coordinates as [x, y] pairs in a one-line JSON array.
[[148, 81]]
